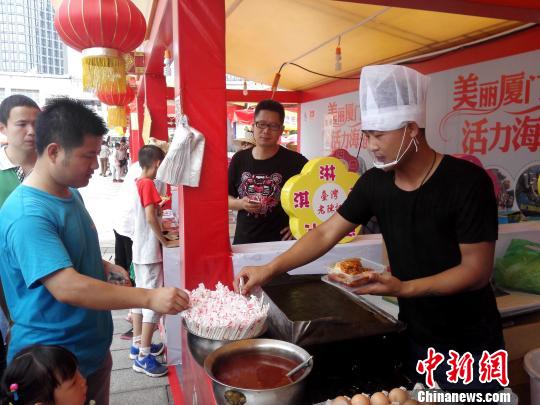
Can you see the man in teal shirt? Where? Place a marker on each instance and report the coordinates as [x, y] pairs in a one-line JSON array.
[[52, 271]]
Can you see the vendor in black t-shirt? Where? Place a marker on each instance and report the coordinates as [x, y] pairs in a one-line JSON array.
[[256, 177], [438, 218]]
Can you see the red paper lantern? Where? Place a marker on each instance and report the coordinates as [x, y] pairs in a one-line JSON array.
[[114, 97], [117, 112], [84, 24], [103, 30]]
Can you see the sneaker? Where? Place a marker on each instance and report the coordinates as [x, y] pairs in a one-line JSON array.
[[155, 350], [128, 335], [149, 366]]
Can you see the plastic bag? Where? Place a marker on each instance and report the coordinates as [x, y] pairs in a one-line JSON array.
[[182, 164], [519, 268]]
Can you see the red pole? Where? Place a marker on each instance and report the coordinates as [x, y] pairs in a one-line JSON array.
[[156, 102], [199, 54], [135, 139], [199, 59]]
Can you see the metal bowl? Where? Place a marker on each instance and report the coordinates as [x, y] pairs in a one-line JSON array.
[[284, 395], [200, 347]]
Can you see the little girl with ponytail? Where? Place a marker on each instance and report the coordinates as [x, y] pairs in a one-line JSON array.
[[43, 375]]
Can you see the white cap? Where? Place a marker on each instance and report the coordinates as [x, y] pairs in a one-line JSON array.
[[390, 96]]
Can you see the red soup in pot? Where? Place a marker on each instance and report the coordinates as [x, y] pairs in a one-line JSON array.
[[255, 370]]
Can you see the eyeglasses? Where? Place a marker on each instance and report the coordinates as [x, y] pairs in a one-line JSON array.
[[264, 125]]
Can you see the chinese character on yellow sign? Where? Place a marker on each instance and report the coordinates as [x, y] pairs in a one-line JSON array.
[[314, 195]]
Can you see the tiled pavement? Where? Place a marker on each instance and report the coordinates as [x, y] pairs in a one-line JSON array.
[[127, 386]]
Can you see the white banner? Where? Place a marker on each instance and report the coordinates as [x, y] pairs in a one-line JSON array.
[[491, 110], [488, 110], [331, 127]]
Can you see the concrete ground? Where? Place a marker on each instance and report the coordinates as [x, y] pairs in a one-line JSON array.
[[127, 386]]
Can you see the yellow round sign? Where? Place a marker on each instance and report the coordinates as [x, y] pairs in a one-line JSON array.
[[314, 195]]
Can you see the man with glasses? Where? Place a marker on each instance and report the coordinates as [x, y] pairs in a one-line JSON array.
[[438, 218], [256, 177]]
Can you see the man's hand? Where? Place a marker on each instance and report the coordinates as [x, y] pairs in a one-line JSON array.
[[380, 284], [254, 276], [253, 207], [168, 300], [163, 240], [116, 274], [171, 243], [286, 233]]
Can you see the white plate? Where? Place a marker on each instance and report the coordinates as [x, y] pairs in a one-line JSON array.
[[376, 267]]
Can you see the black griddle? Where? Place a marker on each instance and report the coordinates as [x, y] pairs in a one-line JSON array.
[[305, 310]]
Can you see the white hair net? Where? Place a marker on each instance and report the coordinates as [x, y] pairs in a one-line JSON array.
[[390, 96]]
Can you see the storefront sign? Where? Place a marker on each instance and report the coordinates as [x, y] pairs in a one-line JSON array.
[[314, 195]]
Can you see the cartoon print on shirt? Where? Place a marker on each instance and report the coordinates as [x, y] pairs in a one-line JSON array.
[[262, 188]]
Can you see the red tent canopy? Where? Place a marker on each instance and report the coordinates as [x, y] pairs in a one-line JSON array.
[[244, 116]]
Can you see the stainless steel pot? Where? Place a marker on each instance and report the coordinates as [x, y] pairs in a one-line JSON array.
[[287, 394], [200, 347]]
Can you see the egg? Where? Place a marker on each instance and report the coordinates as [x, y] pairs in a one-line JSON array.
[[341, 400], [398, 395], [411, 402], [379, 399], [360, 399]]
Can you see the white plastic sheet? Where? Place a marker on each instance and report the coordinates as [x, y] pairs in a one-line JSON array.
[[183, 163]]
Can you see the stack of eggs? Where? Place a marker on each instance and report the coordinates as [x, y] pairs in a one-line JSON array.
[[223, 314], [398, 396]]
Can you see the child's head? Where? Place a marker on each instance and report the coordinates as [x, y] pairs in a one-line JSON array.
[[117, 145], [150, 157], [43, 375]]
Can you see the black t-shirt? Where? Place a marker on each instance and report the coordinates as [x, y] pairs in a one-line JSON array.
[[262, 180], [422, 230]]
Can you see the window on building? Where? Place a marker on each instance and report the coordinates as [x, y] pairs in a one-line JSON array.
[[33, 94]]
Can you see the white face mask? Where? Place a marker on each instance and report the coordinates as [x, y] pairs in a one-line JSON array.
[[380, 165]]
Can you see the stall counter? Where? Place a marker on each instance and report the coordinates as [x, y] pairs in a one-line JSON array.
[[367, 246]]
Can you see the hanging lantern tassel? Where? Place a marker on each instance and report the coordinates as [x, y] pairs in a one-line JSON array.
[[116, 116], [103, 67]]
